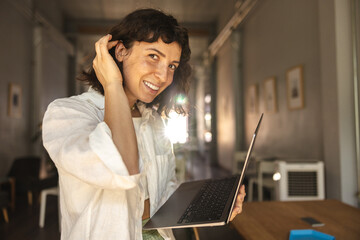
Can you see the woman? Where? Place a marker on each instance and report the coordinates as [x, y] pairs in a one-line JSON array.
[[116, 167]]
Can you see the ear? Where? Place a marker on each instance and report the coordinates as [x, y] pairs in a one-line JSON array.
[[120, 52]]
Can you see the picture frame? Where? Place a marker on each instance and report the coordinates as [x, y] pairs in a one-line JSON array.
[[295, 87], [253, 98], [270, 95], [15, 100]]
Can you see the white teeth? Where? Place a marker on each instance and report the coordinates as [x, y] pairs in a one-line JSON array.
[[152, 86]]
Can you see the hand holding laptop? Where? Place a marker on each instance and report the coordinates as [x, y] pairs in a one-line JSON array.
[[204, 203], [238, 204]]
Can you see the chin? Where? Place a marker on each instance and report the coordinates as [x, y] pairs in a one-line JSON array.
[[147, 100]]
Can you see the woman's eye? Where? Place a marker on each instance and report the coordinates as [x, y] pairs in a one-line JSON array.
[[172, 67], [153, 56]]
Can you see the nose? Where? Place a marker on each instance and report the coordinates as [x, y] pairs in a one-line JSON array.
[[162, 73]]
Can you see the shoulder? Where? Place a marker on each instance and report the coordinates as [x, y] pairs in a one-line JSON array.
[[80, 106], [70, 116], [70, 102], [87, 100]]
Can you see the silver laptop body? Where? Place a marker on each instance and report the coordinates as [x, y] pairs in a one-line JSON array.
[[170, 214]]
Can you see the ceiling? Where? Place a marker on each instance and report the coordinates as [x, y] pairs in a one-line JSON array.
[[198, 11], [92, 15]]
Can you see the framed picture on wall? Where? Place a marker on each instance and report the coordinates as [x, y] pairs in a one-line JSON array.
[[14, 100], [270, 98], [252, 98], [295, 87]]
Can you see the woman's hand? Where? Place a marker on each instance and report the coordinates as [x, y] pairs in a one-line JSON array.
[[104, 65], [117, 110], [239, 202]]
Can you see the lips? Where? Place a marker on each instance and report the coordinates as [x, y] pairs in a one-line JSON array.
[[151, 86]]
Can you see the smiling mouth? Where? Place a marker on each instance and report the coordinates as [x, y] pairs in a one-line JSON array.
[[151, 86]]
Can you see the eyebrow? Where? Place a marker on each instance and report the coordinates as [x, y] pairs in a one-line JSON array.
[[161, 53]]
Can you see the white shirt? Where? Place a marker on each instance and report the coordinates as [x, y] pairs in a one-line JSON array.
[[98, 197]]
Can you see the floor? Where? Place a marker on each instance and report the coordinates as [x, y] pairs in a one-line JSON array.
[[24, 220]]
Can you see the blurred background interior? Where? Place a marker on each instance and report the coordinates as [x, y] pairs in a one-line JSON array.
[[295, 60]]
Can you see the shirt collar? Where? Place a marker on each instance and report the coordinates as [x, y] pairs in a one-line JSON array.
[[146, 113]]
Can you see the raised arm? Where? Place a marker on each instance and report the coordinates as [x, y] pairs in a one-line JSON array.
[[117, 109]]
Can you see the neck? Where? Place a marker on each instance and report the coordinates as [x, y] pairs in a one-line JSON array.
[[132, 104]]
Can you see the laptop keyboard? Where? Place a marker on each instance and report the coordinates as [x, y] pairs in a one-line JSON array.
[[209, 203]]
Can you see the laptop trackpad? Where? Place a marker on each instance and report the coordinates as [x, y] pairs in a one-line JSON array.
[[169, 214]]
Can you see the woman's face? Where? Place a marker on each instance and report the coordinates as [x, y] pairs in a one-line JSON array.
[[148, 69]]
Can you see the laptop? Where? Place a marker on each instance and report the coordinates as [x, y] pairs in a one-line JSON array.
[[202, 203]]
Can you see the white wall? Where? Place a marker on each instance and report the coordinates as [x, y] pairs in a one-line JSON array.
[[278, 35], [226, 76], [41, 71], [15, 67]]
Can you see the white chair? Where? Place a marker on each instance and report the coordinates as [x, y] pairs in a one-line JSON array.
[[265, 171], [44, 194], [239, 160]]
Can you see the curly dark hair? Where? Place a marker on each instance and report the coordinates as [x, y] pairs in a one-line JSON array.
[[149, 25]]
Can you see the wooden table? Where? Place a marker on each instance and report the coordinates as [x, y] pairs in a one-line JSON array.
[[274, 220]]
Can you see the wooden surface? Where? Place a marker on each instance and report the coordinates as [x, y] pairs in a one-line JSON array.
[[274, 220]]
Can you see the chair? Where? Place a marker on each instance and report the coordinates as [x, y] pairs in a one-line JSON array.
[[9, 182], [43, 195], [25, 171], [265, 171], [239, 160], [4, 202]]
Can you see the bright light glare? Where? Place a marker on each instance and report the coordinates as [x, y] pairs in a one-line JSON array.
[[207, 98], [276, 176], [176, 128], [181, 99], [208, 136], [208, 116]]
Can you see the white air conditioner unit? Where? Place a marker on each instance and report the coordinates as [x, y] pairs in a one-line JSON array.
[[300, 181]]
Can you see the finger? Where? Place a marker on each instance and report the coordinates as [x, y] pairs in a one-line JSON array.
[[242, 189], [95, 67], [239, 205], [240, 196], [103, 40], [233, 215], [112, 44], [237, 210], [103, 43], [242, 192], [97, 49]]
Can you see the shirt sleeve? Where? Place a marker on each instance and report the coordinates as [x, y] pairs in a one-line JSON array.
[[172, 183], [80, 144]]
